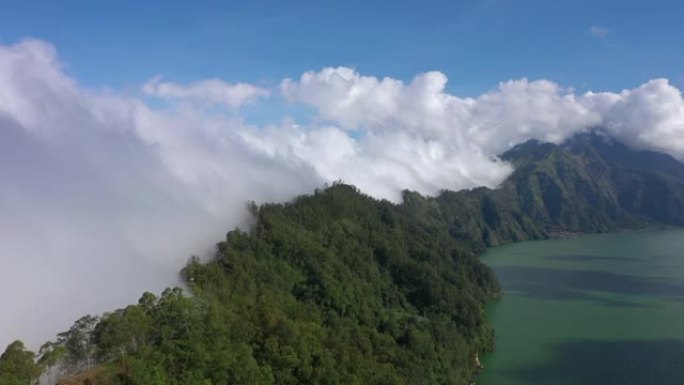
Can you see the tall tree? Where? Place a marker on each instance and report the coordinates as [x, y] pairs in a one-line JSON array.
[[121, 332], [78, 343], [18, 367]]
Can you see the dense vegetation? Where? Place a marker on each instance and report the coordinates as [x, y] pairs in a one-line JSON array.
[[333, 288], [340, 288]]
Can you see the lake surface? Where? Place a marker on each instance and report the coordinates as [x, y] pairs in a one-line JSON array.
[[592, 310]]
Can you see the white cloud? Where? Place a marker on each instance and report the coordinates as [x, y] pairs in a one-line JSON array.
[[210, 91], [599, 32], [650, 116], [104, 196]]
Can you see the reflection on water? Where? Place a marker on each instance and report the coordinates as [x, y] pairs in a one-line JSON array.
[[579, 284], [588, 258]]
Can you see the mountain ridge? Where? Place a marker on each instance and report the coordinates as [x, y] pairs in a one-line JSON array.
[[337, 287]]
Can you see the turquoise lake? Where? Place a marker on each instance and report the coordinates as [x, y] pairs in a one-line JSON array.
[[592, 310]]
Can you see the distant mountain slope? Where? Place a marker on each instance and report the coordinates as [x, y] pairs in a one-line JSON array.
[[590, 183], [621, 155]]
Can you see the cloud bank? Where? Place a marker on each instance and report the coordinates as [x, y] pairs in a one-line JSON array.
[[104, 194]]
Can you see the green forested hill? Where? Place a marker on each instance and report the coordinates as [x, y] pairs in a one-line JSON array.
[[590, 184], [339, 288], [333, 288], [587, 184]]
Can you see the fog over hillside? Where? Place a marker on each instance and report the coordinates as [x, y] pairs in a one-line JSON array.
[[106, 193]]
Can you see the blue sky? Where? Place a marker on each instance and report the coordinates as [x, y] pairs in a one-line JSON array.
[[476, 43]]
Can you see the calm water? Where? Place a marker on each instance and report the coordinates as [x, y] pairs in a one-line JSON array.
[[592, 310]]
